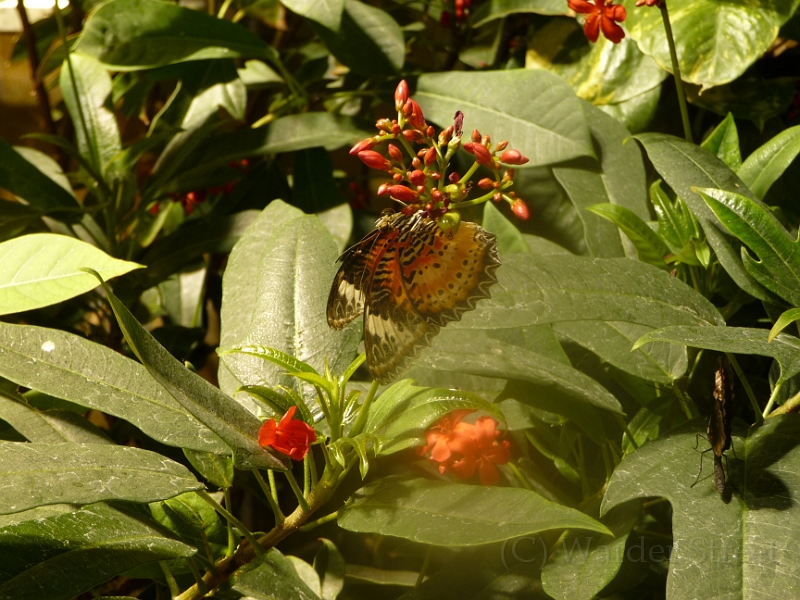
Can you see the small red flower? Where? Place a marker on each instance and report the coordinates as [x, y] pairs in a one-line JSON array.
[[520, 209], [440, 436], [602, 15], [290, 437], [374, 160]]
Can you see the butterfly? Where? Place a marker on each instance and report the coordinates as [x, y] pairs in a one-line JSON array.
[[719, 422], [409, 278]]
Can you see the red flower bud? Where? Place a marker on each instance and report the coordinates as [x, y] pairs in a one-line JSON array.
[[397, 177], [374, 160], [420, 189], [476, 136], [383, 189], [290, 437], [446, 134], [454, 177], [383, 124], [486, 183], [430, 131], [497, 197], [416, 163], [400, 95], [417, 177], [513, 157], [404, 194], [366, 144], [520, 209], [482, 155], [414, 115], [436, 195], [395, 153], [430, 156], [486, 141], [396, 129], [412, 135], [436, 176], [468, 146]]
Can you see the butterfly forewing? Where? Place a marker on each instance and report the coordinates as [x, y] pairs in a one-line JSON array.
[[350, 286]]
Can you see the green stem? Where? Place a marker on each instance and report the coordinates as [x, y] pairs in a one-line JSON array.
[[223, 9], [684, 401], [320, 521], [231, 519], [361, 422], [747, 388], [272, 500], [790, 406], [676, 72], [520, 477], [424, 569], [772, 398], [198, 577], [483, 198], [297, 491], [627, 431], [231, 538], [174, 590]]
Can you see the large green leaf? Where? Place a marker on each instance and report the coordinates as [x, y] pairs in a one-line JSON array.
[[737, 546], [237, 427], [685, 166], [38, 474], [44, 268], [453, 514], [768, 162], [498, 9], [368, 41], [59, 557], [327, 13], [777, 264], [716, 39], [536, 111], [91, 111], [268, 578], [51, 426], [314, 188], [275, 292], [741, 340], [73, 368], [130, 35]]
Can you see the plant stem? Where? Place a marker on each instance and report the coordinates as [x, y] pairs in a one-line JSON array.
[[174, 590], [268, 492], [358, 426], [627, 431], [297, 491], [33, 61], [198, 577], [790, 406], [772, 398], [520, 477], [684, 401], [424, 568], [320, 521], [231, 538], [676, 73], [747, 388], [231, 519]]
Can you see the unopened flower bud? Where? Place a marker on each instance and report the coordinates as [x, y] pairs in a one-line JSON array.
[[508, 175], [513, 157], [412, 135], [430, 156], [395, 153], [383, 124], [520, 209], [476, 136], [436, 195], [446, 134], [486, 183], [430, 131], [436, 176], [366, 144], [416, 118], [400, 95], [421, 189], [501, 146], [396, 129], [416, 162], [453, 145], [397, 177], [402, 193], [497, 197], [454, 177], [455, 191], [383, 189], [417, 177], [469, 147], [374, 160], [482, 155], [486, 141]]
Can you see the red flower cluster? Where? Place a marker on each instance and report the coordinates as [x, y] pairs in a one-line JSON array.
[[463, 448], [192, 199], [603, 16], [288, 437]]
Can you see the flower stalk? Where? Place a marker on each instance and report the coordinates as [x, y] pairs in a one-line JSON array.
[[676, 72]]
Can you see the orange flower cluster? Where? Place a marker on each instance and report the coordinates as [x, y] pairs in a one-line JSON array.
[[464, 448], [602, 15]]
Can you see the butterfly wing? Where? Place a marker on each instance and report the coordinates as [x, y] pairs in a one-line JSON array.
[[351, 284], [445, 275]]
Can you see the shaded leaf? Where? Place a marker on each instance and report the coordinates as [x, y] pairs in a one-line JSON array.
[[768, 162], [325, 12], [649, 247], [498, 9], [723, 143], [267, 578], [51, 426]]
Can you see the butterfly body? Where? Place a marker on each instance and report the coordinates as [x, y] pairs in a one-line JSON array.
[[719, 422], [409, 278]]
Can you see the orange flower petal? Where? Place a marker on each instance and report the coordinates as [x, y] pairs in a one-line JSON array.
[[613, 32]]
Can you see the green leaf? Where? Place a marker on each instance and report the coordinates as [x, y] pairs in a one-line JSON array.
[[257, 74], [777, 264], [717, 39], [330, 566], [274, 295], [723, 143], [685, 166], [451, 514], [193, 521], [44, 268], [128, 35], [498, 9], [237, 427], [38, 474], [612, 342], [768, 162], [738, 548], [21, 177], [404, 411], [327, 13], [89, 105], [536, 112], [740, 340], [92, 375], [649, 247], [314, 187], [50, 426], [15, 218], [787, 318], [509, 238], [369, 41], [676, 224], [269, 578], [90, 545], [217, 470]]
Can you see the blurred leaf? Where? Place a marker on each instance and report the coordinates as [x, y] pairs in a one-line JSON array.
[[748, 536], [275, 291], [777, 264], [768, 162], [740, 340], [50, 426], [498, 9], [509, 238], [237, 427], [90, 545], [707, 55], [723, 143], [452, 514], [128, 35], [329, 565], [362, 573], [684, 167], [15, 217], [538, 114], [339, 223], [369, 41], [257, 74], [327, 13], [314, 187], [649, 247], [42, 473], [267, 579], [89, 105], [92, 375], [43, 269], [20, 177]]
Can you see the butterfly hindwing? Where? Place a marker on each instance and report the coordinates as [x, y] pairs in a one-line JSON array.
[[350, 286]]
